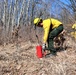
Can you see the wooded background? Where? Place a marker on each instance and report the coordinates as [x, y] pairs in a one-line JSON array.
[[14, 13]]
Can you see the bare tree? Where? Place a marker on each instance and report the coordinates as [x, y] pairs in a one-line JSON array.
[[14, 14], [26, 18], [1, 9], [5, 18], [21, 12], [73, 6]]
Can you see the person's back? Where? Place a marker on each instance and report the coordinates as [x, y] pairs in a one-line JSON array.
[[55, 23]]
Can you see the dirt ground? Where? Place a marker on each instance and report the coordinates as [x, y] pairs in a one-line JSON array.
[[22, 60]]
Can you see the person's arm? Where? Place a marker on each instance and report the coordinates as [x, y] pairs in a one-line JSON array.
[[45, 37]]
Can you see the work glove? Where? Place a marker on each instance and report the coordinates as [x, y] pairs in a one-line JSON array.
[[43, 46]]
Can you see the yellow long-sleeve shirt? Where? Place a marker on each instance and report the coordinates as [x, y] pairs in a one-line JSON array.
[[46, 26]]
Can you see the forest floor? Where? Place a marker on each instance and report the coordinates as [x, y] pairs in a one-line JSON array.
[[22, 60]]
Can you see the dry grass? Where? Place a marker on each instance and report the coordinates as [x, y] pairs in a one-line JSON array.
[[22, 60]]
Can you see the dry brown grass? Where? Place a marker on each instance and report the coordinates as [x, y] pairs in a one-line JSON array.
[[23, 60]]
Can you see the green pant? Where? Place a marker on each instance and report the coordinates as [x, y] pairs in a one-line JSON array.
[[52, 34]]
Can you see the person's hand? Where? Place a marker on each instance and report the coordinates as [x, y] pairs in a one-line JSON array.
[[43, 46]]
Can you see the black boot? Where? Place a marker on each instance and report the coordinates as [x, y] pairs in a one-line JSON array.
[[52, 53]]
